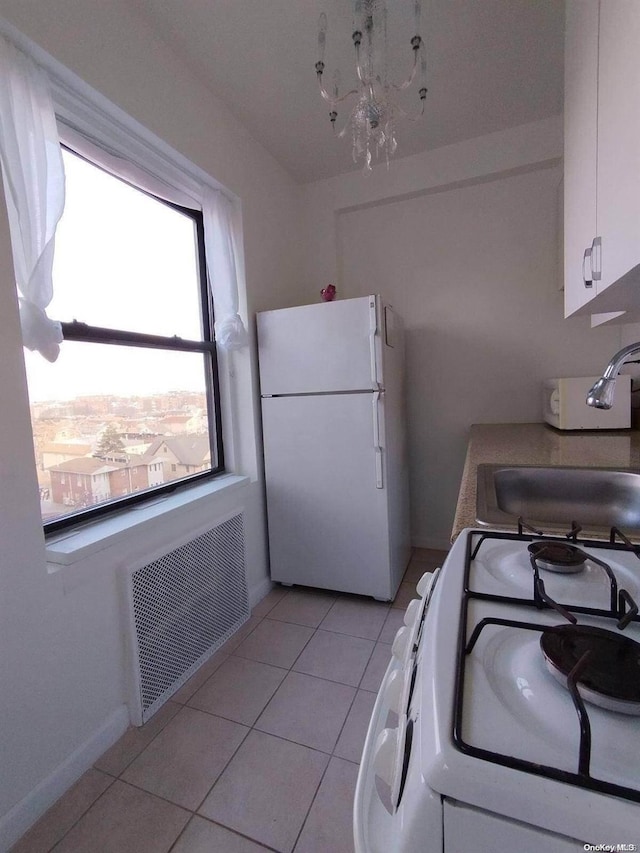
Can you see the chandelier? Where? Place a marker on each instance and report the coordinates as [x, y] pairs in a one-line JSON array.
[[372, 120]]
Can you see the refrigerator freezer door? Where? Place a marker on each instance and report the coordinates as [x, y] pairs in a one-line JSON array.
[[328, 522], [319, 348]]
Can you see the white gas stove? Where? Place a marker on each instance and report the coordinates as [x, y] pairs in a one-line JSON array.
[[509, 715]]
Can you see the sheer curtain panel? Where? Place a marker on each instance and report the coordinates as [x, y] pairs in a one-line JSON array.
[[33, 176], [224, 257], [222, 225]]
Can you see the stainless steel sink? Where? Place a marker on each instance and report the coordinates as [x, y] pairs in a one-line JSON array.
[[594, 497]]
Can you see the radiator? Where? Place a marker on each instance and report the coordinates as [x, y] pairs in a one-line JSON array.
[[183, 607]]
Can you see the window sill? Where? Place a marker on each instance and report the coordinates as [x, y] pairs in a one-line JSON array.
[[72, 546]]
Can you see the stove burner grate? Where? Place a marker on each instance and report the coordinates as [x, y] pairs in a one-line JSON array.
[[621, 605], [582, 776], [609, 675], [558, 557]]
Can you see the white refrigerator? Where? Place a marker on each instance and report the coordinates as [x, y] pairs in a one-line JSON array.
[[331, 379]]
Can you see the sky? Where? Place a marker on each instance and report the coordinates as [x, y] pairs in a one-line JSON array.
[[122, 260]]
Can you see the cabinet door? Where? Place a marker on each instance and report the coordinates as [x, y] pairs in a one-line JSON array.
[[618, 214], [580, 147]]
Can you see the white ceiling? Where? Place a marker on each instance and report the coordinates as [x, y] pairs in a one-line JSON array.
[[492, 64]]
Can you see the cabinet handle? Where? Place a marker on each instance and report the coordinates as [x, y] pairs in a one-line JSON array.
[[588, 282], [596, 258]]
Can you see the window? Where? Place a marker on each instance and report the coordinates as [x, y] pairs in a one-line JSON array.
[[130, 287]]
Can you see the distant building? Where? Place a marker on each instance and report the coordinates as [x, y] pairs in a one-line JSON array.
[[175, 424], [136, 446], [90, 480], [134, 472], [181, 455], [81, 482], [56, 452], [155, 471]]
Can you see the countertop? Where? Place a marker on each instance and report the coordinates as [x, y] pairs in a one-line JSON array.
[[539, 444]]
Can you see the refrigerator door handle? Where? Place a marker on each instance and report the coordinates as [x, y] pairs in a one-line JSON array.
[[373, 330], [376, 440]]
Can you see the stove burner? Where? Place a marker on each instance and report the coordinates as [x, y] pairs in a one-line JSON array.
[[610, 678], [558, 557]]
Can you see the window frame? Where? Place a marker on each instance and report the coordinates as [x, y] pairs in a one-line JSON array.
[[79, 331]]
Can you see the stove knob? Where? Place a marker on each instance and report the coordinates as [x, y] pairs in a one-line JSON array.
[[385, 755], [393, 691], [412, 612], [425, 584], [401, 643]]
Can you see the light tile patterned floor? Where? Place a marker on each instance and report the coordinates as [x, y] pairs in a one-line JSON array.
[[258, 751]]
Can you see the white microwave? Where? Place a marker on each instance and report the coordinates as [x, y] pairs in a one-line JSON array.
[[564, 404]]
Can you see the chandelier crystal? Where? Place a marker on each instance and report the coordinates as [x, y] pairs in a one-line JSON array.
[[371, 124]]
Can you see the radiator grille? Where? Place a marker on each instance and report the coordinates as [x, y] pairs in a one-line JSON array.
[[185, 605]]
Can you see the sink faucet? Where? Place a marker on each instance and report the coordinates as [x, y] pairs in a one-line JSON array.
[[601, 394]]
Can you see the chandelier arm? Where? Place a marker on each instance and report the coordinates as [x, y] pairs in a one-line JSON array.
[[329, 98], [342, 133], [359, 71], [403, 114], [412, 76], [370, 90]]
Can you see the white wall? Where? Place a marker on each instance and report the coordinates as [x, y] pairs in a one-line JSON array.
[[61, 647], [469, 257]]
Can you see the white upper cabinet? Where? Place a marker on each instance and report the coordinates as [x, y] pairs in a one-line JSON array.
[[580, 150], [602, 157], [618, 214]]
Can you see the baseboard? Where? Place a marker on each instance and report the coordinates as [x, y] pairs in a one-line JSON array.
[[258, 591], [437, 544], [24, 814]]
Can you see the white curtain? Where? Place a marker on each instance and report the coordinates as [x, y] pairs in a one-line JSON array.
[[222, 225], [33, 175], [124, 166], [223, 242]]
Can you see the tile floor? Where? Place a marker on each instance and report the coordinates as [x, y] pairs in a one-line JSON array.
[[258, 751]]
